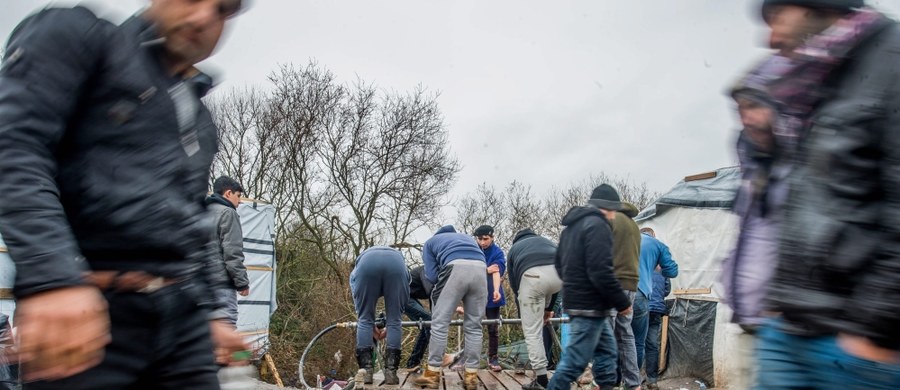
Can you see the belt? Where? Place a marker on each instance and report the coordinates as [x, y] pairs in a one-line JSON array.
[[129, 281]]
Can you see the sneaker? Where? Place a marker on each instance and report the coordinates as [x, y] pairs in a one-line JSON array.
[[494, 364], [534, 385]]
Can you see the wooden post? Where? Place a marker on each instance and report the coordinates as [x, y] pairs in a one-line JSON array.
[[271, 364], [664, 343]]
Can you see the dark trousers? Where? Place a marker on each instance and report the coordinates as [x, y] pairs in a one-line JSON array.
[[493, 313], [548, 346], [159, 341], [416, 312]]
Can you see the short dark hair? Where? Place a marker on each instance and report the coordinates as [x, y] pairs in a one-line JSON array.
[[225, 183]]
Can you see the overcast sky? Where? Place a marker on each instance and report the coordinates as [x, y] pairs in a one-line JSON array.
[[537, 91]]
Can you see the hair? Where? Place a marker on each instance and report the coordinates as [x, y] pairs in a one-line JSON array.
[[225, 183], [648, 231]]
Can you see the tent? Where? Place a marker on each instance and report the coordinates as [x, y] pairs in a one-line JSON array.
[[254, 310], [695, 221]]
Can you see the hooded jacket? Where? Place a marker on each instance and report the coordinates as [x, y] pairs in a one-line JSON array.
[[584, 262], [228, 245], [445, 246], [91, 148], [626, 250]]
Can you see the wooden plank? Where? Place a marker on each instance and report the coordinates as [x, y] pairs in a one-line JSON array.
[[271, 364], [489, 381], [692, 291], [258, 268], [664, 343], [701, 176], [6, 293], [407, 380], [452, 379], [3, 249], [507, 380]]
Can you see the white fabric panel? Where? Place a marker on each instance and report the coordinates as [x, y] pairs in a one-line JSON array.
[[699, 240], [254, 310]]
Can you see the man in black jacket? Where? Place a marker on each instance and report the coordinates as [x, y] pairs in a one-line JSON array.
[[590, 290], [837, 282], [106, 147], [534, 280]]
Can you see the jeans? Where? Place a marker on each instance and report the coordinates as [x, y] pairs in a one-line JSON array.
[[627, 362], [228, 297], [796, 362], [160, 340], [590, 339], [654, 329], [416, 312], [639, 325]]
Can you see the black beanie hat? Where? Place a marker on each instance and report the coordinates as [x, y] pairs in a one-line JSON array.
[[484, 230]]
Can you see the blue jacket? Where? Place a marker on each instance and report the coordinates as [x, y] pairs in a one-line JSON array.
[[653, 253], [661, 289], [494, 255], [445, 246]]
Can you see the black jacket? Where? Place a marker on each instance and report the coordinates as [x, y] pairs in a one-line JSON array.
[[419, 286], [584, 262], [94, 155], [527, 251], [839, 262]]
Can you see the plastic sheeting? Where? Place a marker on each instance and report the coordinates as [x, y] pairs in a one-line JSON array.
[[716, 192], [692, 328], [254, 310]]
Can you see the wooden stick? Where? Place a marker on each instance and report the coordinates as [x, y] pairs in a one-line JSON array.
[[664, 343], [271, 364]]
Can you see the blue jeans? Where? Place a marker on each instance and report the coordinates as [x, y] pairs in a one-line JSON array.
[[796, 362], [652, 347], [639, 324], [590, 339], [416, 312]]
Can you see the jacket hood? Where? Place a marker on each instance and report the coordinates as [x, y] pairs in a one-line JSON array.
[[524, 233], [579, 212], [216, 198], [446, 229]]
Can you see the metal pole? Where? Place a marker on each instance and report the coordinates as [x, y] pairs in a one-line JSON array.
[[421, 324]]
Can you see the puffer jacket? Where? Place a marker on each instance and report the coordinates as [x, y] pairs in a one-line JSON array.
[[839, 255], [103, 172], [228, 243], [585, 265]]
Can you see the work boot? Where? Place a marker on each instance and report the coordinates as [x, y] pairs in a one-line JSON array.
[[430, 379], [391, 363], [470, 380], [534, 385], [366, 370]]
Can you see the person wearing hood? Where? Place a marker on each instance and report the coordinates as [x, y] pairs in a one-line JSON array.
[[536, 284], [455, 265], [626, 263], [229, 274], [496, 267], [584, 261]]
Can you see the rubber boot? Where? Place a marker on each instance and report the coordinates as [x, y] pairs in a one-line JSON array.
[[430, 379], [366, 370], [391, 364]]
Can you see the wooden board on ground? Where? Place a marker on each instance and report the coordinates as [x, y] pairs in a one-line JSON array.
[[452, 380], [506, 380], [489, 381]]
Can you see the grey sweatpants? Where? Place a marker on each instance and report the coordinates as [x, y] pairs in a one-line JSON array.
[[460, 280], [536, 290]]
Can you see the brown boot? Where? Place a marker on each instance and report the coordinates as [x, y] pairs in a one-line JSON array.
[[430, 379], [470, 381]]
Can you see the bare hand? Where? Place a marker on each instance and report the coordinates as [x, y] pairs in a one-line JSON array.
[[62, 332], [379, 334], [626, 311], [497, 296], [493, 269], [460, 311], [244, 292], [227, 341], [547, 316]]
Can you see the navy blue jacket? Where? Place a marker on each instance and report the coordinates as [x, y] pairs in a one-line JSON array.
[[103, 174], [661, 289], [493, 255], [445, 246]]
